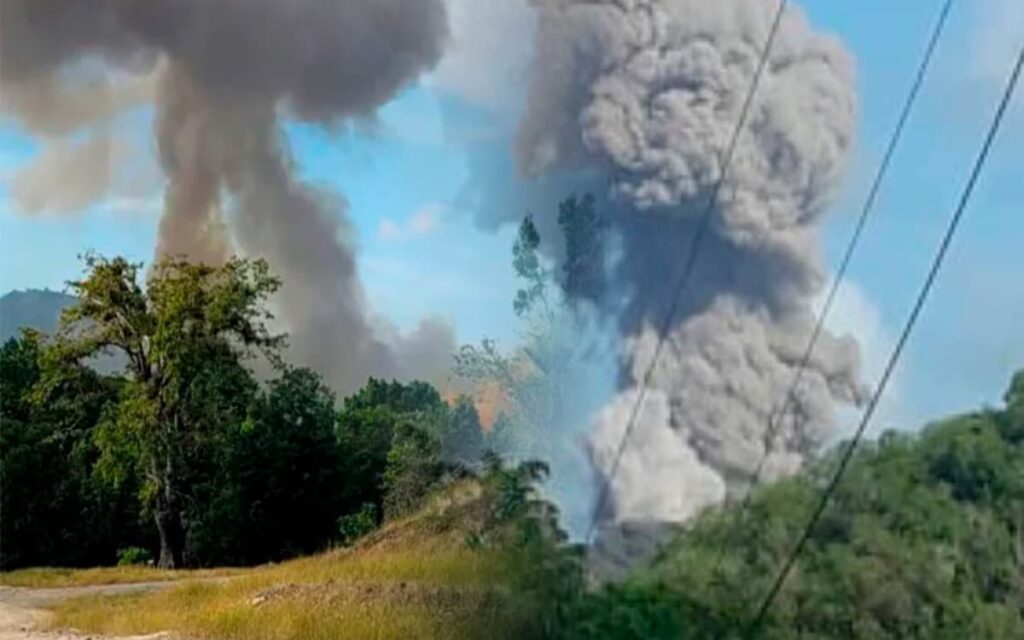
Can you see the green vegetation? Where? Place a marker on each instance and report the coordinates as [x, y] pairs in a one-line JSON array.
[[924, 539], [183, 454], [452, 570]]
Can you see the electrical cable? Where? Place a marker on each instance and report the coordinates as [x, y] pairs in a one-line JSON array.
[[680, 288], [778, 415], [900, 345]]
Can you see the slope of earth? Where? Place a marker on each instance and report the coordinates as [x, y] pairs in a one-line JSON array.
[[416, 578]]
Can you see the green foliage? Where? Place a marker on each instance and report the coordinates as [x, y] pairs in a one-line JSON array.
[[53, 511], [924, 538], [413, 471], [583, 269], [133, 556], [1013, 422], [527, 265], [356, 525], [545, 570], [541, 380], [366, 429], [275, 493], [228, 469], [398, 441], [184, 336], [462, 440]]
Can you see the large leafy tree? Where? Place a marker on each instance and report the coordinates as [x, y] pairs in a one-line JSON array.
[[183, 333]]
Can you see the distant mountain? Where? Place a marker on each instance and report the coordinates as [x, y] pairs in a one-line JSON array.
[[40, 310], [32, 309]]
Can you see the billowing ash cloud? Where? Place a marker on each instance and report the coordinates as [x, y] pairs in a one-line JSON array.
[[638, 98], [224, 74]]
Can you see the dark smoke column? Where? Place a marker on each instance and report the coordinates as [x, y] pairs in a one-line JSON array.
[[226, 72], [643, 95]]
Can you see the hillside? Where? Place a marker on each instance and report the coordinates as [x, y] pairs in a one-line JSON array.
[[414, 578], [923, 539], [34, 308]]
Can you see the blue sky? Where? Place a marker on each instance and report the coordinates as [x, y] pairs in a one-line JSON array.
[[969, 339], [420, 252]]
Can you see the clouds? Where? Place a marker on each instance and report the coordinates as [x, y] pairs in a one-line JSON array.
[[997, 33], [985, 53], [420, 222]]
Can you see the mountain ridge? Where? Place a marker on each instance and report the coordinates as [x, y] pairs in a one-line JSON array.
[[37, 309]]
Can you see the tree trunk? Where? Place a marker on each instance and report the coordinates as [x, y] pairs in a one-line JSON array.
[[168, 524]]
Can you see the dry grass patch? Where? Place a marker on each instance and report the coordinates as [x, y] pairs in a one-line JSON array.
[[416, 579], [53, 577]]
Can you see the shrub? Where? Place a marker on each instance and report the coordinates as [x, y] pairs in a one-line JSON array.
[[358, 524], [133, 556]]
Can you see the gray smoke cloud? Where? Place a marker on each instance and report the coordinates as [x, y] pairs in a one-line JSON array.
[[638, 98], [224, 74], [67, 175]]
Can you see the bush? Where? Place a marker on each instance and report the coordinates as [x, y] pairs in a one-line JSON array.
[[358, 524], [133, 556], [414, 470]]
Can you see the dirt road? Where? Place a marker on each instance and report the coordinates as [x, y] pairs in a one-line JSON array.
[[22, 610]]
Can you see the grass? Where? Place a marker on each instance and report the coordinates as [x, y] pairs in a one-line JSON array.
[[413, 579], [53, 577]]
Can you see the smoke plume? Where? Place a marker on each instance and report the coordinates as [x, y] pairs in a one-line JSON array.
[[225, 73], [638, 99]]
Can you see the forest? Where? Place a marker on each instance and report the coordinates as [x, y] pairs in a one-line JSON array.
[[187, 456], [207, 449]]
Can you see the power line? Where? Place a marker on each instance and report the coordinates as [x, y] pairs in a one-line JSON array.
[[680, 288], [779, 414], [898, 351]]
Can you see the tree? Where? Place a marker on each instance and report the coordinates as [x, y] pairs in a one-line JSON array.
[[527, 265], [180, 333], [53, 510], [276, 492], [583, 269], [414, 468], [372, 423], [1014, 422], [462, 440], [541, 379]]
